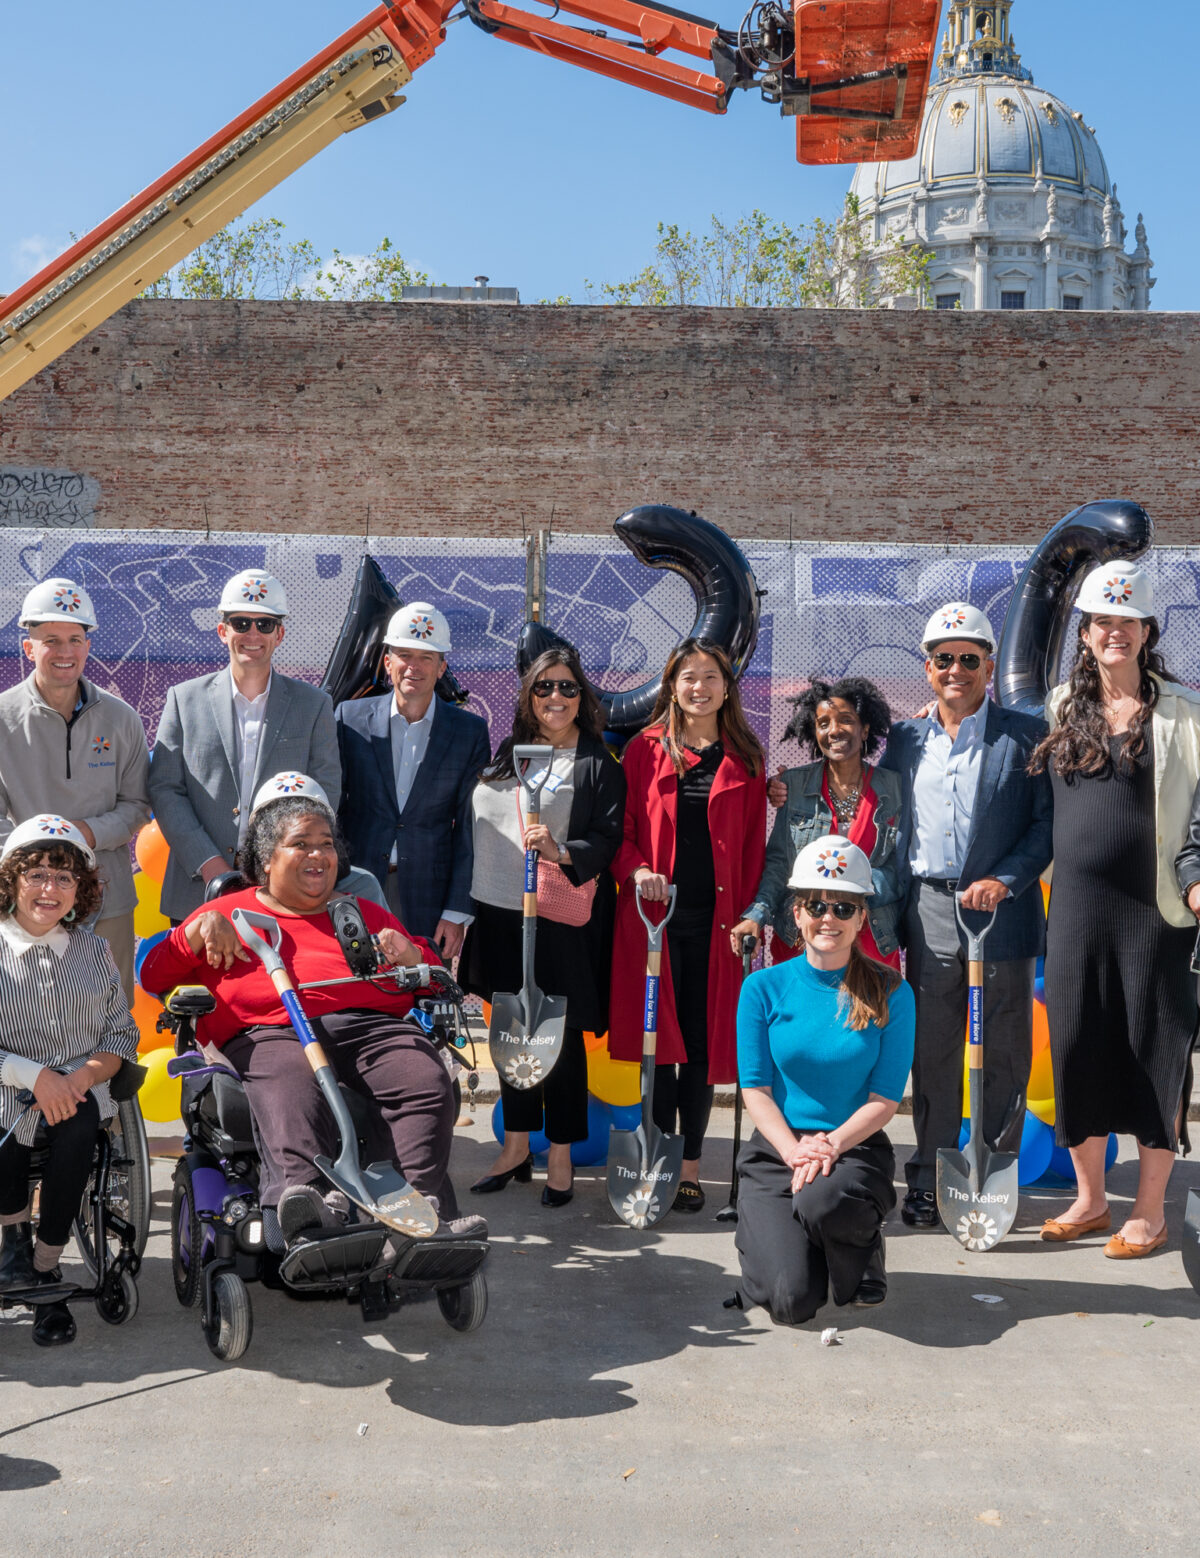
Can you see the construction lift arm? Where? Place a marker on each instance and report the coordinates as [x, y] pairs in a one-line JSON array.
[[853, 73]]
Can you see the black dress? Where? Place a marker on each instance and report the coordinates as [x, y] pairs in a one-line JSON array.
[[1120, 997]]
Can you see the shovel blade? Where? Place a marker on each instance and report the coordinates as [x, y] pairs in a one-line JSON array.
[[643, 1174], [978, 1219], [525, 1045], [1191, 1240], [382, 1192]]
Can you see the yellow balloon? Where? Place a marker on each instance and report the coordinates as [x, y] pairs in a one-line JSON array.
[[160, 1094], [148, 918], [616, 1082], [1043, 1109], [1041, 1076]]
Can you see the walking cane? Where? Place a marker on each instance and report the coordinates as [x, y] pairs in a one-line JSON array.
[[729, 1212]]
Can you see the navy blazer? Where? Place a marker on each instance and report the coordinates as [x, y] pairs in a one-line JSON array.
[[1011, 836], [434, 849]]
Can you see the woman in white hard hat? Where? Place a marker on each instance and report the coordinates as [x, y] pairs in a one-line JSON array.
[[1123, 756], [65, 1029], [825, 1044]]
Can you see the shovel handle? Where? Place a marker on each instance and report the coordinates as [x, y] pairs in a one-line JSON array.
[[975, 939], [653, 931], [530, 755], [260, 934]]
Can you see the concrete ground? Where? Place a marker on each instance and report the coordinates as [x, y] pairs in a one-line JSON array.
[[610, 1405]]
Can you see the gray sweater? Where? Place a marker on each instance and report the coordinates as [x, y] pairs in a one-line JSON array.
[[91, 769]]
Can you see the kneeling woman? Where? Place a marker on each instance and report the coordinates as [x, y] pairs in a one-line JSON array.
[[293, 856], [825, 1044], [65, 1028]]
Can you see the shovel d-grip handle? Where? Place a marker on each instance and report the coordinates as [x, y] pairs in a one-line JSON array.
[[653, 931], [260, 934]]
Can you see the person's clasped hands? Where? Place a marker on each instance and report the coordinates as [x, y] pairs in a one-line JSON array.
[[812, 1155]]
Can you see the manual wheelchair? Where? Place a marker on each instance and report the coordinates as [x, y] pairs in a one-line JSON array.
[[222, 1239], [113, 1222]]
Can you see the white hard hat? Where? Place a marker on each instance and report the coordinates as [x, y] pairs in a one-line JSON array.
[[832, 862], [254, 591], [421, 625], [281, 786], [47, 829], [958, 620], [1117, 590], [58, 600]]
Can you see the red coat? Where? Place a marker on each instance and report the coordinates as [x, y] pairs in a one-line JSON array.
[[737, 816]]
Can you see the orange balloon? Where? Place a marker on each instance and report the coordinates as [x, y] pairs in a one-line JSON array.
[[1041, 1029], [151, 851], [593, 1041], [145, 1011]]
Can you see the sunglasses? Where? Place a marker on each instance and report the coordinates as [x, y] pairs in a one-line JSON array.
[[545, 688], [818, 908], [944, 661], [244, 624]]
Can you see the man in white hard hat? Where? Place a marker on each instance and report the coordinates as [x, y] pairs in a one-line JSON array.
[[410, 761], [222, 734], [69, 748], [973, 822]]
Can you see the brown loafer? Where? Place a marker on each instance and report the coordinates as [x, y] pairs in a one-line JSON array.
[[1063, 1233], [1124, 1249]]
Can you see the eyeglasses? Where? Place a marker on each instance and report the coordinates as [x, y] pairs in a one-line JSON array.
[[817, 909], [545, 688], [244, 624], [945, 660], [63, 880]]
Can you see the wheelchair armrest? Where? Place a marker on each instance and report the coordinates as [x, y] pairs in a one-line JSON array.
[[127, 1080], [227, 882]]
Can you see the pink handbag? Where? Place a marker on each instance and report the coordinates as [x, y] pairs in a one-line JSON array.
[[558, 898]]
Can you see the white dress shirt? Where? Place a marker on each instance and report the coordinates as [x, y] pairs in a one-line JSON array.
[[944, 789], [249, 718]]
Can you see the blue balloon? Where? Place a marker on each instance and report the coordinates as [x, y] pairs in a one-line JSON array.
[[1060, 1160], [144, 951], [594, 1148], [625, 1117], [538, 1142], [1037, 1145]]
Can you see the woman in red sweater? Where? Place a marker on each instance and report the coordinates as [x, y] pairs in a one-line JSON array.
[[695, 815], [293, 855]]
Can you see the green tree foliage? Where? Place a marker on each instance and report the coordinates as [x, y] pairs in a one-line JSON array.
[[256, 259], [756, 262]]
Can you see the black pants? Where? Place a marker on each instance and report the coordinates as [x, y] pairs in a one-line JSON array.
[[683, 1092], [794, 1248], [72, 1147], [386, 1059], [559, 1104]]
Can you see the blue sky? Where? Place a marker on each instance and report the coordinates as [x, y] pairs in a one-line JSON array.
[[534, 173]]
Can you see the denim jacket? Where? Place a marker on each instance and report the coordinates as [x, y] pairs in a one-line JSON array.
[[805, 816]]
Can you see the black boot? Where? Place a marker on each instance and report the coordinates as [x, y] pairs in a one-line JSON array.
[[16, 1257], [872, 1290], [53, 1324]]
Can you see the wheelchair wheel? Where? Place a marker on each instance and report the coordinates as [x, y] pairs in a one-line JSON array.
[[463, 1308], [187, 1238], [230, 1336], [117, 1300], [128, 1183]]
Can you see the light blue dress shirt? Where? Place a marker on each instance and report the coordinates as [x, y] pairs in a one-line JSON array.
[[944, 789], [409, 740]]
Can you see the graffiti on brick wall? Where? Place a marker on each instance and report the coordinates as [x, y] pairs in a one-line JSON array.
[[35, 498]]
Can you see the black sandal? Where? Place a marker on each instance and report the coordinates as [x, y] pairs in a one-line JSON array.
[[689, 1197]]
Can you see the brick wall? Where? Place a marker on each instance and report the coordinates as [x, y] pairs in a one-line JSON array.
[[459, 419]]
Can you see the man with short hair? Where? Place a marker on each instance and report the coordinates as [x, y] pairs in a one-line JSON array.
[[69, 748], [410, 762], [973, 821], [222, 735]]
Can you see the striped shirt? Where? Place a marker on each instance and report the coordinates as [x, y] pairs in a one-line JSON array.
[[60, 1001]]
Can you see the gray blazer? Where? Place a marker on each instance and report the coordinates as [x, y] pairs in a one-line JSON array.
[[194, 770]]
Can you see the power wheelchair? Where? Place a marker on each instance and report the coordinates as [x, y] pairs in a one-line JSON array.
[[222, 1239]]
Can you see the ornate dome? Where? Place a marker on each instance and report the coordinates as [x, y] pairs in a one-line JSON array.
[[999, 158]]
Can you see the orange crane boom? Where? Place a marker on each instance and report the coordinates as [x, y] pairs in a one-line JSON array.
[[853, 73]]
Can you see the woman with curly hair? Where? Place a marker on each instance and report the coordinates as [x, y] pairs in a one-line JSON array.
[[845, 723], [1123, 755], [578, 832], [65, 1029], [695, 817]]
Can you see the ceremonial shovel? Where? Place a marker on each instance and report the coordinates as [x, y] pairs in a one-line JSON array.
[[380, 1189], [525, 1035], [976, 1188], [1191, 1240], [644, 1165]]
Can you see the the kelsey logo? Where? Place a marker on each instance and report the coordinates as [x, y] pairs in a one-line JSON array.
[[100, 744], [833, 863], [953, 617], [421, 625], [67, 599], [1117, 590], [56, 827], [290, 784], [254, 590]]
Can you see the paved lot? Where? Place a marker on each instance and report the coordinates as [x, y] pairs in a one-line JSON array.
[[610, 1405]]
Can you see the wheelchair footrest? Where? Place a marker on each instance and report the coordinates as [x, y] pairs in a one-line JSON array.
[[439, 1261], [335, 1260]]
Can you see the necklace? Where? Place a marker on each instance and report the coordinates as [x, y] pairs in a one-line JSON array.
[[845, 807]]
